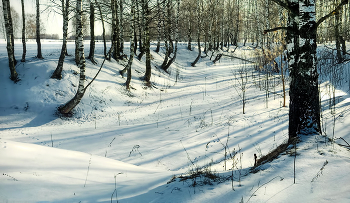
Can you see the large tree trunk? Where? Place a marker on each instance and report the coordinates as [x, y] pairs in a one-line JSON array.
[[9, 38], [115, 30], [189, 35], [69, 106], [337, 28], [57, 74], [40, 56], [121, 25], [304, 110], [142, 28], [103, 30], [139, 28], [159, 26], [176, 37], [92, 33], [167, 34], [23, 33], [132, 45], [147, 43], [135, 41], [198, 34]]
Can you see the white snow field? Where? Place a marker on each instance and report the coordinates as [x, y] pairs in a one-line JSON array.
[[143, 145]]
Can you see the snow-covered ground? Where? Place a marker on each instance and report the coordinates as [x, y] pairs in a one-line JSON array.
[[123, 146]]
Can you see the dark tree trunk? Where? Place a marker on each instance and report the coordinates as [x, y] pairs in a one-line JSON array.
[[132, 46], [146, 21], [139, 28], [176, 36], [121, 25], [115, 30], [57, 74], [9, 38], [167, 32], [166, 57], [103, 30], [337, 29], [198, 35], [92, 33], [189, 35], [38, 42], [23, 33], [135, 41], [304, 110], [159, 25]]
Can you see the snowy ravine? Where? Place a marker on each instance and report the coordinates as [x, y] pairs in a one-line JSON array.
[[125, 146]]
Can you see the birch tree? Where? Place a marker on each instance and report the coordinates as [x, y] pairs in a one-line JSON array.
[[67, 108], [198, 33], [10, 40], [121, 25], [159, 26], [147, 43], [142, 27], [132, 44], [304, 109], [38, 42], [57, 74], [115, 29], [92, 33], [167, 32], [176, 36], [103, 29], [23, 33]]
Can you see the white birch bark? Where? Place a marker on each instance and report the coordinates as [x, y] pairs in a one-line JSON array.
[[9, 38], [23, 33], [121, 25], [69, 106], [57, 74], [38, 42], [132, 44], [304, 111], [198, 34]]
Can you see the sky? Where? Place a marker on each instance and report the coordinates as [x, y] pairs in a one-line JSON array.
[[52, 20]]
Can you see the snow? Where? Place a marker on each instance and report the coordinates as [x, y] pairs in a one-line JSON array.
[[127, 146]]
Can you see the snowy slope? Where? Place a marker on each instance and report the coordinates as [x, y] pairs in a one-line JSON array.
[[146, 136]]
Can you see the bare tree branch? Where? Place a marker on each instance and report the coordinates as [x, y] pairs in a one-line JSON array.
[[276, 28], [332, 13]]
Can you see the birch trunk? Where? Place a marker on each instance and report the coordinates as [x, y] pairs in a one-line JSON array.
[[115, 30], [147, 43], [121, 25], [103, 30], [57, 74], [9, 38], [198, 34], [132, 45], [189, 35], [92, 33], [139, 27], [23, 33], [70, 105], [142, 28], [167, 32], [176, 36], [304, 110], [38, 42], [159, 27]]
